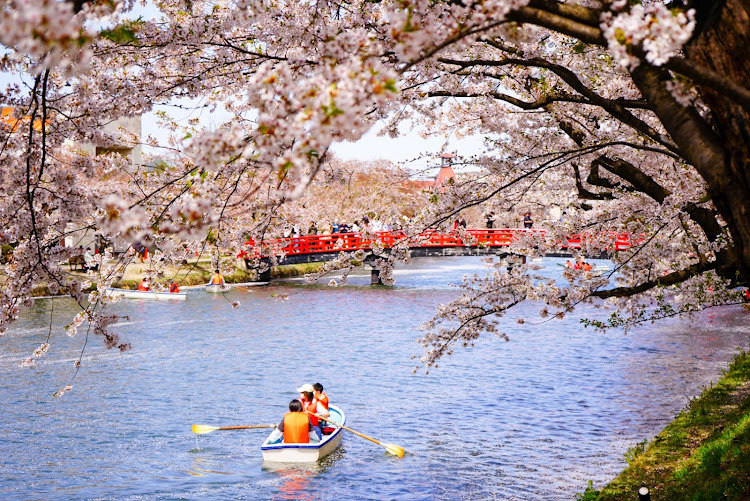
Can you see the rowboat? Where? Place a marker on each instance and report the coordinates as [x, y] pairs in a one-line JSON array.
[[306, 453], [135, 294], [216, 288]]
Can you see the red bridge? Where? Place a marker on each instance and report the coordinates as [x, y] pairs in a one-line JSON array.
[[476, 241]]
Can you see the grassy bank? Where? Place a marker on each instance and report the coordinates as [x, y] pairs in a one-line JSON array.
[[703, 455], [194, 273], [295, 270]]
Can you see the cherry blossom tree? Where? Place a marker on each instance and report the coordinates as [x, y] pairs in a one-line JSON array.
[[629, 116], [355, 192]]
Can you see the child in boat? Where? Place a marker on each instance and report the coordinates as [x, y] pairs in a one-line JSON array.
[[313, 407], [322, 398], [296, 427], [320, 395]]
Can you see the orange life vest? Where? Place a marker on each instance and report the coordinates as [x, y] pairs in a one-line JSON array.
[[312, 409], [217, 279], [174, 288], [143, 286], [296, 428], [586, 267], [323, 399]]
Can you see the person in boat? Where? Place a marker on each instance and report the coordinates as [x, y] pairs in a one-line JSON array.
[[217, 279], [320, 395], [322, 398], [144, 285], [173, 287], [313, 407], [582, 265], [296, 427]]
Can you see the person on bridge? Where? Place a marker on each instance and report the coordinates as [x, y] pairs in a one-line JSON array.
[[217, 279], [296, 427], [173, 287], [527, 221], [144, 285], [313, 407], [490, 217]]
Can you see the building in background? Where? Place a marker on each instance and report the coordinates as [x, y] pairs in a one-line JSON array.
[[443, 177]]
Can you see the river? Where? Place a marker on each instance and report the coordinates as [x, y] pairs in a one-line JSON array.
[[533, 418]]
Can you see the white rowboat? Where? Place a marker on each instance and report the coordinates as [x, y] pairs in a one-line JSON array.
[[217, 288], [159, 296], [306, 453]]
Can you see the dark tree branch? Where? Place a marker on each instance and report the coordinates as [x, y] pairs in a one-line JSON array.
[[613, 107], [585, 194], [673, 278]]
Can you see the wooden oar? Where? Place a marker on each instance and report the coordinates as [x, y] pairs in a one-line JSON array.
[[392, 448], [200, 429]]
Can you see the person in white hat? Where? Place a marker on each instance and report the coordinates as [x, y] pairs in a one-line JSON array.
[[312, 407]]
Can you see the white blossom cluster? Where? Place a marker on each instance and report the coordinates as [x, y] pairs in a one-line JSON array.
[[48, 32], [654, 28]]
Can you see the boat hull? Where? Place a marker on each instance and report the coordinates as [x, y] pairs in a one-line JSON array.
[[306, 453], [158, 296], [216, 288]]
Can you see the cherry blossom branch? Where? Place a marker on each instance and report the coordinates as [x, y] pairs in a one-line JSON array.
[[613, 107], [666, 280]]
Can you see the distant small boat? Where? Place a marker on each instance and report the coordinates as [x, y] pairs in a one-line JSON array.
[[306, 453], [136, 294], [217, 288]]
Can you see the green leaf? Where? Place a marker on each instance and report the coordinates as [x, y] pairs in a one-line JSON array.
[[120, 34]]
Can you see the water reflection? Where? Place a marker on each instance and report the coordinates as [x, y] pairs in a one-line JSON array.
[[296, 478]]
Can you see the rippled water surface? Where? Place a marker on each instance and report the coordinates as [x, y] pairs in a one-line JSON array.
[[535, 418]]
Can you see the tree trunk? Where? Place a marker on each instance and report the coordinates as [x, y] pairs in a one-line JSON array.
[[723, 46]]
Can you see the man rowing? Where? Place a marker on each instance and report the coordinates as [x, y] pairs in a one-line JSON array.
[[217, 278], [296, 426]]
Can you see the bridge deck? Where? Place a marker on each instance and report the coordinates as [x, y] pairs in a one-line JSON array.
[[476, 241]]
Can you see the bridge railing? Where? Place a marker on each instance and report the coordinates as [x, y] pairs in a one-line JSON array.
[[490, 237]]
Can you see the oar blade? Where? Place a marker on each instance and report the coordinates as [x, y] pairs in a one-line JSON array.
[[200, 429], [395, 449]]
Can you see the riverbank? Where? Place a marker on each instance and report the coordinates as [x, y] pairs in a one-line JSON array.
[[196, 272], [704, 454]]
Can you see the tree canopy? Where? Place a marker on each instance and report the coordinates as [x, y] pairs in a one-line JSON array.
[[630, 117]]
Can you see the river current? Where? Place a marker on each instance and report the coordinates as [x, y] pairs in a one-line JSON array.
[[533, 418]]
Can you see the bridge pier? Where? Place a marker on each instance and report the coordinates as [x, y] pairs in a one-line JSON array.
[[375, 276], [509, 263], [264, 276], [260, 276]]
